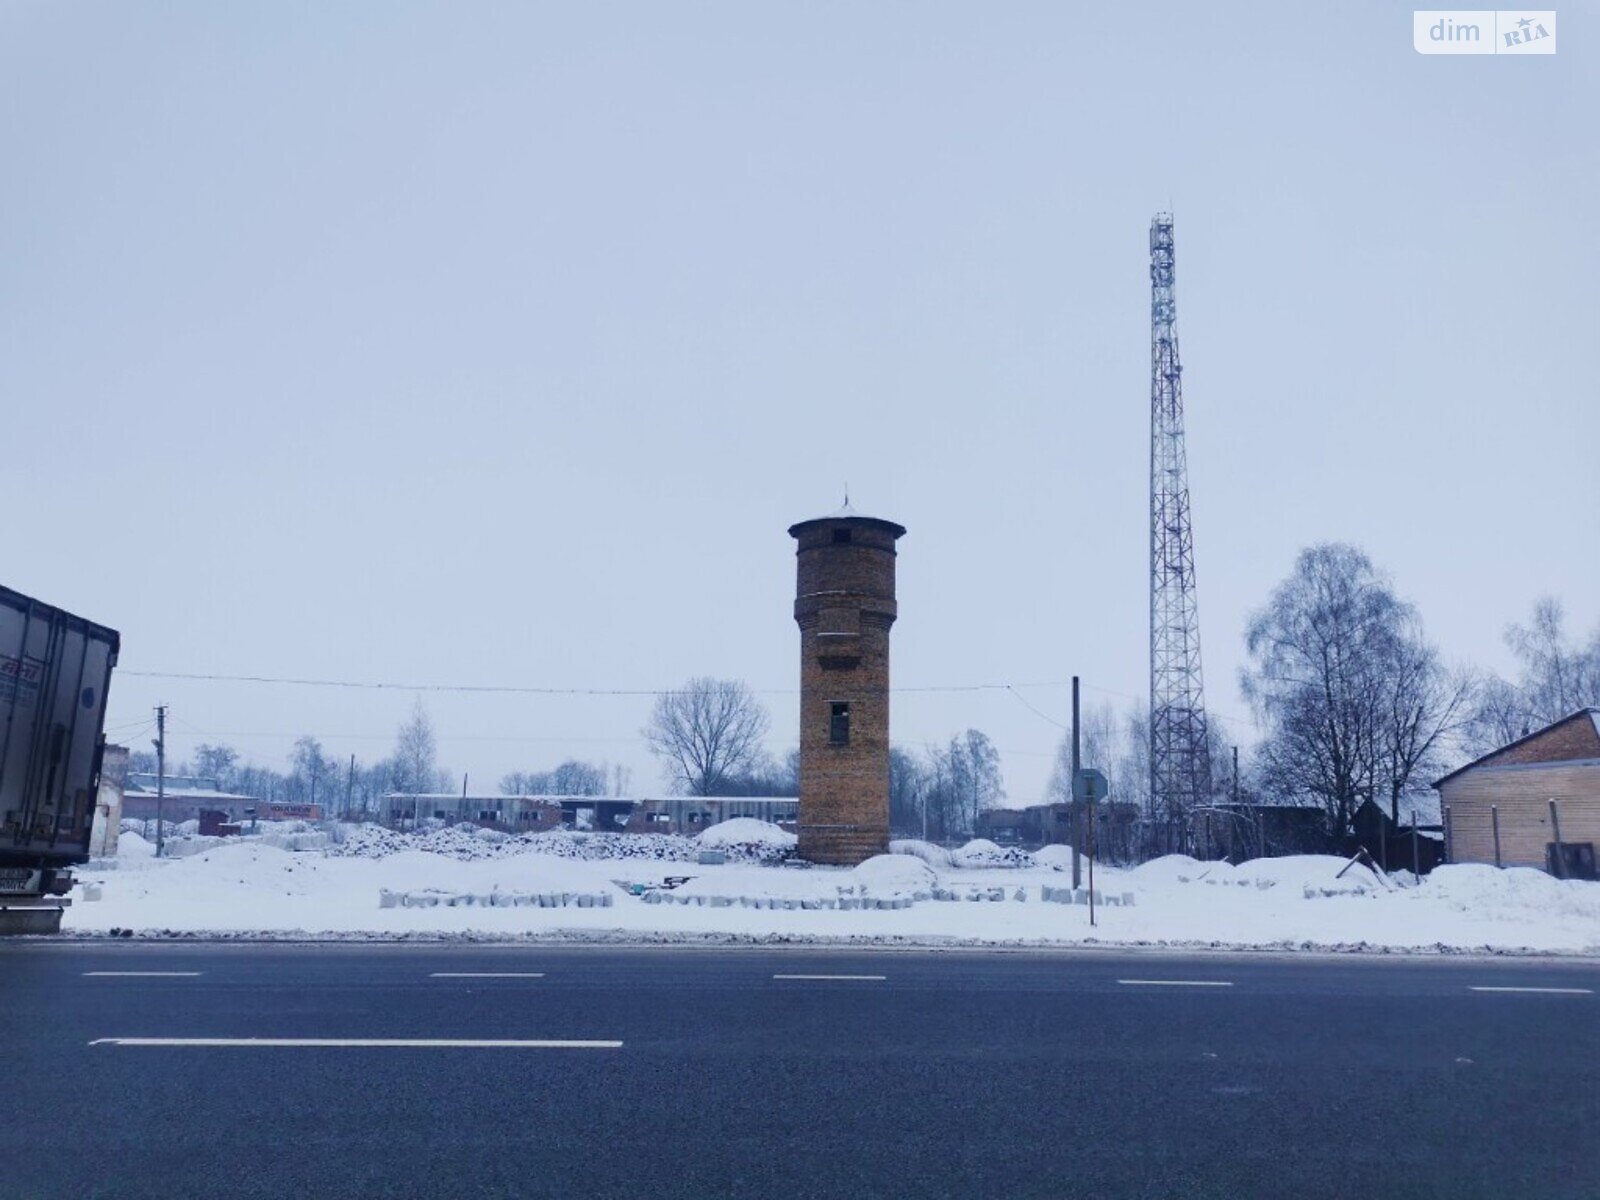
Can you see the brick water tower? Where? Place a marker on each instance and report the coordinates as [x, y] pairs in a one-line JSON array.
[[844, 605]]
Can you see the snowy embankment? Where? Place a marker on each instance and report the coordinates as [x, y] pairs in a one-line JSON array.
[[463, 884]]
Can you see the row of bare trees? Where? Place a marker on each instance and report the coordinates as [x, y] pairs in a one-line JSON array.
[[1354, 703], [345, 787], [1351, 700], [939, 791]]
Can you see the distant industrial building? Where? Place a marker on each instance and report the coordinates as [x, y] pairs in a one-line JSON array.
[[599, 814], [1053, 825], [1533, 803], [196, 797], [186, 796]]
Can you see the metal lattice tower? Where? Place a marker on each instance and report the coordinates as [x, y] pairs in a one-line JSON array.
[[1180, 759]]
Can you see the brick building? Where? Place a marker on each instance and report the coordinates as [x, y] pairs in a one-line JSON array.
[[182, 798], [1504, 807], [844, 604]]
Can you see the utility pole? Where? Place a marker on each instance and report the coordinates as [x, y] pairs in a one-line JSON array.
[[349, 787], [1077, 818], [1233, 828], [161, 774]]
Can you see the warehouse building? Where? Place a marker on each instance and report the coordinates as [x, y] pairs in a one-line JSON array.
[[599, 814], [1515, 805]]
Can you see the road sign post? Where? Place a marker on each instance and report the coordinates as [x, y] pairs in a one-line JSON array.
[[1089, 786]]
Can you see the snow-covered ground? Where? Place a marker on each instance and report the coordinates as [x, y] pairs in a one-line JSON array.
[[460, 883]]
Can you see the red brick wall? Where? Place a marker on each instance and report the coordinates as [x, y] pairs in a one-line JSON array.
[[844, 605], [1571, 739]]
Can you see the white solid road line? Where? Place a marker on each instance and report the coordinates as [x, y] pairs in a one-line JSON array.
[[1175, 982], [142, 974], [486, 975], [367, 1043], [876, 978], [1546, 990]]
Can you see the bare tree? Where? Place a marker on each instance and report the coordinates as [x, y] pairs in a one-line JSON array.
[[1498, 716], [908, 797], [1557, 677], [1102, 744], [1422, 709], [574, 778], [940, 799], [516, 783], [416, 767], [1354, 701], [974, 775], [216, 762], [707, 731]]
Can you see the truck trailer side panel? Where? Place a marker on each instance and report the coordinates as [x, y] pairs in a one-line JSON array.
[[55, 669]]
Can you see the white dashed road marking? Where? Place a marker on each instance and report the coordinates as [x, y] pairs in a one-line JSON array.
[[1549, 991], [141, 974], [868, 978], [365, 1043], [486, 975], [1175, 982]]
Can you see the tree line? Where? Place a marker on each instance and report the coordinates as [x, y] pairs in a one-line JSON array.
[[1350, 700]]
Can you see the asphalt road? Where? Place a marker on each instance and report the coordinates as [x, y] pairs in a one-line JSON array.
[[699, 1073]]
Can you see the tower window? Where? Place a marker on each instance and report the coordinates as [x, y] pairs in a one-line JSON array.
[[841, 537], [839, 723]]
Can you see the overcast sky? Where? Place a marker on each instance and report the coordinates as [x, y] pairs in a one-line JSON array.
[[499, 344]]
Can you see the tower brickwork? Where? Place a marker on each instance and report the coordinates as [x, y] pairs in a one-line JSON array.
[[844, 604]]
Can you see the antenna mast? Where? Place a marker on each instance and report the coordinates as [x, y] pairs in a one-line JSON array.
[[1180, 759]]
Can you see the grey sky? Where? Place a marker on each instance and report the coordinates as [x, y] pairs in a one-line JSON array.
[[499, 344]]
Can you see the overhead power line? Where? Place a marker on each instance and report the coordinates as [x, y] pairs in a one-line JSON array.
[[530, 690]]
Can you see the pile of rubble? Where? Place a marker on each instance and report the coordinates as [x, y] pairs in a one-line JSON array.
[[468, 843]]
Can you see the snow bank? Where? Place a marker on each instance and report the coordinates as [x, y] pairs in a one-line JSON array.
[[934, 856], [1472, 887], [981, 852], [1313, 874], [1167, 870], [1056, 857], [746, 831], [900, 873], [245, 887]]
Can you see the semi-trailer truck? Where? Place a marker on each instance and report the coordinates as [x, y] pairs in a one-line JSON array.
[[55, 670]]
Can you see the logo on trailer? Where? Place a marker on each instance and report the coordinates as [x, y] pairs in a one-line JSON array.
[[19, 678]]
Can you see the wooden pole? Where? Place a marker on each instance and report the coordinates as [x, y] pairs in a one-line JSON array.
[[1494, 815], [1555, 827], [1075, 810], [161, 775]]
